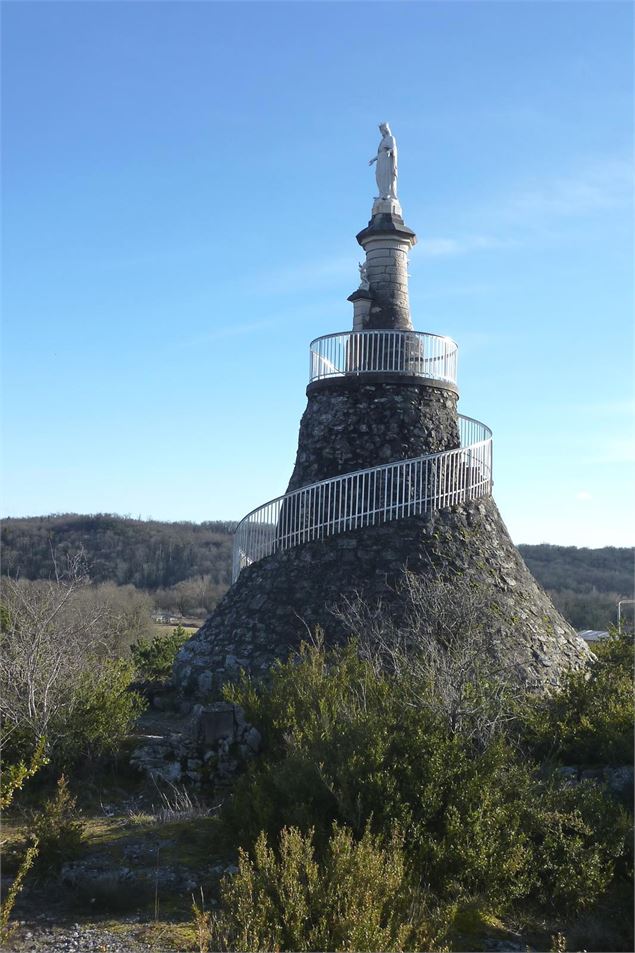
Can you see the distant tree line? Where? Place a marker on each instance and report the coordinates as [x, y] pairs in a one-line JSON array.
[[585, 584], [609, 569], [186, 567]]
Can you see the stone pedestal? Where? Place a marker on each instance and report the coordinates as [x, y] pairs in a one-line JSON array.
[[361, 301], [387, 207]]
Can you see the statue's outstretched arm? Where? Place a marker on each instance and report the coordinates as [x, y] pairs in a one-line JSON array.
[[374, 159]]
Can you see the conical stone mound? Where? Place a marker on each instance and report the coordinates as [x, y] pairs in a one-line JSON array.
[[388, 477], [277, 602]]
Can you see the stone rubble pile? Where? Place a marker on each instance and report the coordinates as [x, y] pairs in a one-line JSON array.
[[218, 741]]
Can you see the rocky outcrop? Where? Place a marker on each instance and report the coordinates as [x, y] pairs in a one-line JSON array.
[[278, 601]]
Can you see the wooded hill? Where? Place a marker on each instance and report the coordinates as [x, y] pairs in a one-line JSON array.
[[143, 553], [161, 557]]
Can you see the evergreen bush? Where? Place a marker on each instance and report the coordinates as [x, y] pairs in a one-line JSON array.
[[103, 712], [58, 829], [12, 779], [342, 745], [357, 898], [590, 721], [153, 658]]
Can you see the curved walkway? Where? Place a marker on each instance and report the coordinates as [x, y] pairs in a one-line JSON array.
[[368, 497]]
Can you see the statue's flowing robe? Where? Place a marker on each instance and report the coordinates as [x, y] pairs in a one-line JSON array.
[[386, 172]]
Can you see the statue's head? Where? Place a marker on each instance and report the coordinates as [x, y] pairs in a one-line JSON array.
[[384, 128]]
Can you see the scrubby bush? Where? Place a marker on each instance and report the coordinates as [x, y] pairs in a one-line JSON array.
[[59, 675], [14, 776], [344, 742], [578, 836], [104, 711], [100, 712], [590, 721], [357, 898], [440, 637], [12, 779], [58, 829], [153, 658]]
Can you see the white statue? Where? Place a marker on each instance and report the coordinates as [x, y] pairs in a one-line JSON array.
[[386, 159], [363, 276]]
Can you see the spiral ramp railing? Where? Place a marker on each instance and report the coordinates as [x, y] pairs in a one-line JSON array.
[[411, 353], [377, 494]]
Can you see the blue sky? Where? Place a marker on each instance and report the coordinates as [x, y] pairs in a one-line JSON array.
[[182, 187]]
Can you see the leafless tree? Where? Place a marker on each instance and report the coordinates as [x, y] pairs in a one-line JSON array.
[[53, 633], [438, 638], [128, 612]]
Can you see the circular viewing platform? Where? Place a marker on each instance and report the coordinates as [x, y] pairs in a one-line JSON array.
[[408, 353]]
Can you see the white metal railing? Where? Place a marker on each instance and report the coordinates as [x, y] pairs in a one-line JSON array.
[[397, 352], [368, 497]]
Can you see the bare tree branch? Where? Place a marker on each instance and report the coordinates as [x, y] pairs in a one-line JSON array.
[[438, 638], [54, 634]]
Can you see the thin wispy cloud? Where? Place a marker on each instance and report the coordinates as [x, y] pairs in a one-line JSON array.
[[601, 185], [605, 409], [445, 247], [583, 496], [613, 450], [535, 207], [307, 274], [442, 292], [228, 331]]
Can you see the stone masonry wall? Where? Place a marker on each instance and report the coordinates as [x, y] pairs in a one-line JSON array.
[[349, 425], [279, 600], [387, 242], [387, 264]]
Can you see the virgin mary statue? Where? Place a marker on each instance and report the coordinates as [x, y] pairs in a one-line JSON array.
[[386, 159]]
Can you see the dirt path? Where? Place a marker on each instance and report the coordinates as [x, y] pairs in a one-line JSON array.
[[96, 938]]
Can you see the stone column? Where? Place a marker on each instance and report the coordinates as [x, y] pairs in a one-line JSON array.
[[361, 300], [387, 242]]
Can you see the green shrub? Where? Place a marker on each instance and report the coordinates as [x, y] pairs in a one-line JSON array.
[[341, 745], [103, 713], [579, 835], [14, 776], [58, 829], [100, 713], [12, 780], [58, 674], [153, 659], [29, 857], [590, 721], [356, 898], [479, 846]]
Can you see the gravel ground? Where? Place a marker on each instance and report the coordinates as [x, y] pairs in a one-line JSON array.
[[82, 939]]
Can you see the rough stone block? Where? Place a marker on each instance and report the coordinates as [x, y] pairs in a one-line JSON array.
[[216, 724], [205, 682]]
